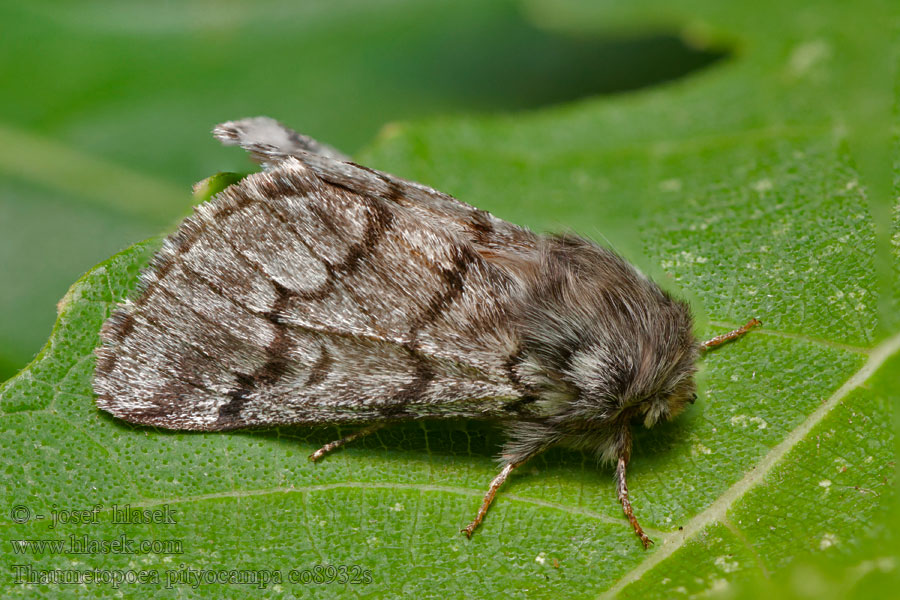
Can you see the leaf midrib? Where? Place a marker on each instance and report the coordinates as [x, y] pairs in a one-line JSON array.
[[716, 512]]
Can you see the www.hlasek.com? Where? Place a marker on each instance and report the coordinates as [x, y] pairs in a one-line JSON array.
[[84, 544]]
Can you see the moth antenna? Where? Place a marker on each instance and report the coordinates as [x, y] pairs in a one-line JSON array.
[[731, 335]]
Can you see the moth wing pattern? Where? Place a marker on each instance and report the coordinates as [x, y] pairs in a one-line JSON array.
[[270, 143], [317, 291]]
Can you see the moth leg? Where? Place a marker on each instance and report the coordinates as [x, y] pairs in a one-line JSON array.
[[489, 496], [344, 440], [731, 335], [270, 142], [622, 489]]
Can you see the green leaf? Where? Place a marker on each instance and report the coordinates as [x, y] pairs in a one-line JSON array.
[[754, 188]]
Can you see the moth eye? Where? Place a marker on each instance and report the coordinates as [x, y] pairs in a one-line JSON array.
[[693, 398]]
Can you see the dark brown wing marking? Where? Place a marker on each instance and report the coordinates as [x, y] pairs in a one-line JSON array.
[[298, 300]]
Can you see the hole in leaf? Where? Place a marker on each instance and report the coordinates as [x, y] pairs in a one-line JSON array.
[[501, 61], [531, 69]]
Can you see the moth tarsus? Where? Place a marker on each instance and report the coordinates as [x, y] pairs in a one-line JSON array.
[[489, 497], [322, 292], [622, 493]]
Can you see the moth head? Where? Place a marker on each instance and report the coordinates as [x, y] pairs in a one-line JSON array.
[[620, 348], [669, 402], [650, 381]]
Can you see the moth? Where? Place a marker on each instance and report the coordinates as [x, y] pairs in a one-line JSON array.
[[320, 291]]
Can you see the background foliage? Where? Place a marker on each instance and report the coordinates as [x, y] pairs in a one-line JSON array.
[[741, 154]]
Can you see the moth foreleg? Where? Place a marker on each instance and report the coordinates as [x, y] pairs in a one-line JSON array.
[[622, 489], [344, 440]]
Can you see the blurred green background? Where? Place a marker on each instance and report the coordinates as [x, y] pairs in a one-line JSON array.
[[106, 107]]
